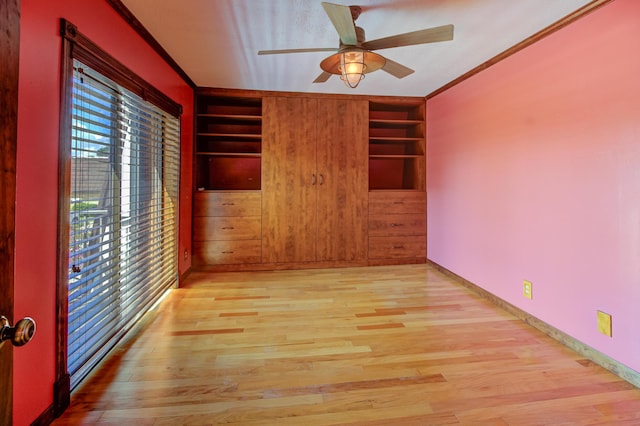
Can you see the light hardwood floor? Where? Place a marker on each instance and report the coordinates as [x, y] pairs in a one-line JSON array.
[[391, 345]]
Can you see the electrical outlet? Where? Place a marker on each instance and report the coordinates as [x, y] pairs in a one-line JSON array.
[[604, 323], [527, 289]]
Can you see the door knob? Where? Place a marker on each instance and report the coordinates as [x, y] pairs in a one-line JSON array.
[[19, 335]]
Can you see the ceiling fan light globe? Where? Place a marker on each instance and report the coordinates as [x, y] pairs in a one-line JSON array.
[[352, 80], [352, 67]]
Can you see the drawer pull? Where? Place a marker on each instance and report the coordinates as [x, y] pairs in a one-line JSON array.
[[398, 202], [396, 224], [398, 247], [227, 252], [227, 227], [228, 204]]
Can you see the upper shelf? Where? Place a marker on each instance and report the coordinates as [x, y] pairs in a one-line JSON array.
[[231, 135], [391, 123], [392, 139]]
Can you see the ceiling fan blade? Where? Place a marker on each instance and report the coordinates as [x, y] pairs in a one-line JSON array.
[[343, 21], [430, 35], [395, 69], [322, 77], [316, 49]]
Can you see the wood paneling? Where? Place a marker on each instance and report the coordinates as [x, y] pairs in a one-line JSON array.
[[9, 59], [343, 180], [401, 345], [289, 179]]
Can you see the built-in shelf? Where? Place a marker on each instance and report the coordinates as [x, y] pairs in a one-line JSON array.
[[228, 138], [397, 145]]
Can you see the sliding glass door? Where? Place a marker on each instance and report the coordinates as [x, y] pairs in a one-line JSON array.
[[123, 214]]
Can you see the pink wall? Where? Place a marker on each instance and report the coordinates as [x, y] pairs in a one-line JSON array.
[[37, 171], [534, 173]]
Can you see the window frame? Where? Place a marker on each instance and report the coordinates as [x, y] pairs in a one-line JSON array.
[[77, 46]]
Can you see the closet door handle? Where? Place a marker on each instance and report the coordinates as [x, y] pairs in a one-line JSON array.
[[313, 179], [321, 179]]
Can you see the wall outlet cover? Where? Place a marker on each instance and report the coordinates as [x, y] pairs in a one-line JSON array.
[[604, 323]]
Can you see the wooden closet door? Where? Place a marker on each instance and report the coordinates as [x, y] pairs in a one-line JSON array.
[[343, 179], [289, 179]]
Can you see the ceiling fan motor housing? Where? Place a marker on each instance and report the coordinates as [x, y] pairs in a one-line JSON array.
[[355, 11]]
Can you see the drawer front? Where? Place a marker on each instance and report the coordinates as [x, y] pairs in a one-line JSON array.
[[226, 228], [227, 204], [397, 247], [392, 202], [227, 252], [388, 225]]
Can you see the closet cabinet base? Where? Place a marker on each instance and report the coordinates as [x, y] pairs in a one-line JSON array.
[[403, 261]]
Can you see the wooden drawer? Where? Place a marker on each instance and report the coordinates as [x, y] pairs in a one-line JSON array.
[[227, 252], [388, 225], [394, 202], [227, 228], [397, 247], [227, 204]]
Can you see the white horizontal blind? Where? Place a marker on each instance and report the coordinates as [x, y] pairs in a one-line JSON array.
[[124, 214]]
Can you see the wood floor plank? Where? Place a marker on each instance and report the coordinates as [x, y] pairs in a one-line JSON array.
[[390, 345]]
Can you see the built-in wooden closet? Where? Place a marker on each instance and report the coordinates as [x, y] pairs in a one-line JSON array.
[[306, 180]]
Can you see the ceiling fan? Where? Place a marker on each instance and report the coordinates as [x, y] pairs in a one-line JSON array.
[[355, 57]]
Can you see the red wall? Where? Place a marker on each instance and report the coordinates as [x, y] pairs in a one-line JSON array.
[[37, 171], [534, 174]]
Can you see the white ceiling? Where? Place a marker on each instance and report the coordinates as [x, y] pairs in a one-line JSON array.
[[216, 41]]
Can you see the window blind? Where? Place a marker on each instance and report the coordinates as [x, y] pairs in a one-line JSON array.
[[124, 214]]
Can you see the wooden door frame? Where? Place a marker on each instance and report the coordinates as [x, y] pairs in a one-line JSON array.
[[75, 45], [9, 64]]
